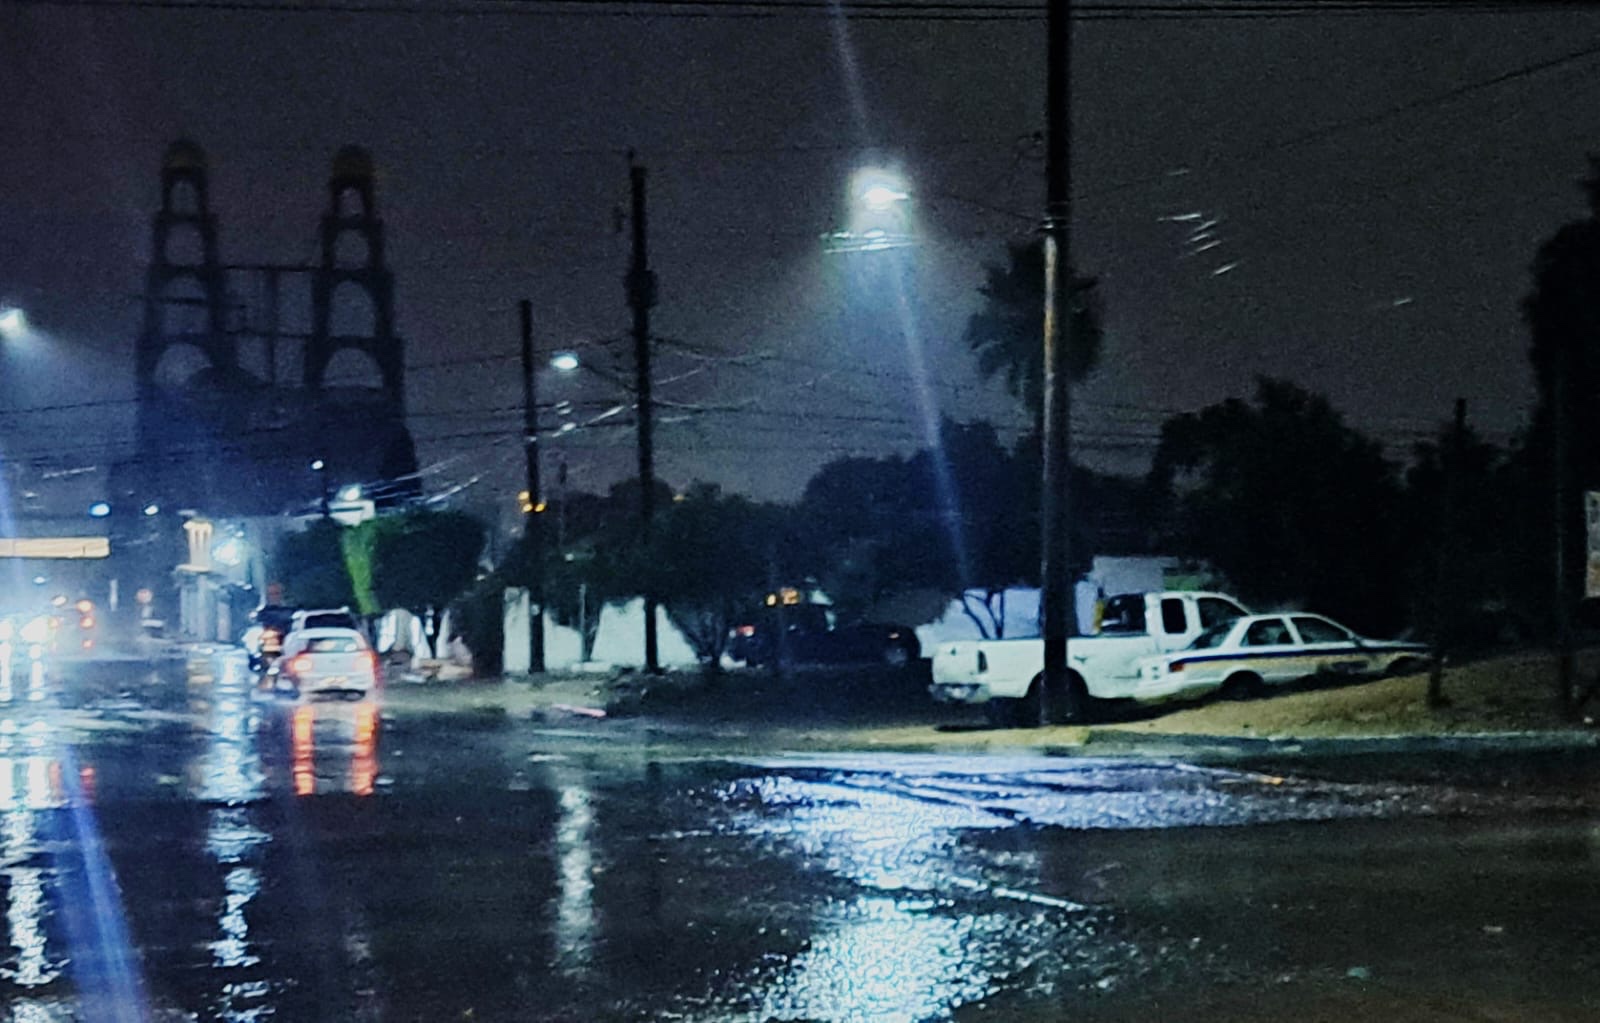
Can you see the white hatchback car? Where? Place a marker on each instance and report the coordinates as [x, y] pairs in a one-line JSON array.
[[326, 661], [1242, 657]]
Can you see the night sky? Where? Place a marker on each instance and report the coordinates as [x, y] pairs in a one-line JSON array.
[[1379, 183]]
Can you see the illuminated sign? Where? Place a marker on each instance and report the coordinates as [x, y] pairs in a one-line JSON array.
[[55, 547]]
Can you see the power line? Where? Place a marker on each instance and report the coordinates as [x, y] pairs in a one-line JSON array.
[[1335, 128], [860, 10]]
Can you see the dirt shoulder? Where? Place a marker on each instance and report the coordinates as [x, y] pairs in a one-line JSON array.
[[838, 709], [1512, 693]]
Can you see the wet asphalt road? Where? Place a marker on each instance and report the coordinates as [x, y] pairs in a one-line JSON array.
[[171, 848]]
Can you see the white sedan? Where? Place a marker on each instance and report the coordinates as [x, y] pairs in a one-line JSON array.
[[1244, 656], [325, 662]]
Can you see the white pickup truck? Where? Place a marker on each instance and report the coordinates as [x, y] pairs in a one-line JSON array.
[[1006, 676]]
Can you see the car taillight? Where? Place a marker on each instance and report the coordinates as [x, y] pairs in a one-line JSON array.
[[86, 622], [1175, 666], [301, 664], [746, 631]]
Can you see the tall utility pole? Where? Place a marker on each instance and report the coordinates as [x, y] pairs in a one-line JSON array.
[[641, 284], [535, 533], [1055, 518], [1561, 491], [1447, 565], [320, 467]]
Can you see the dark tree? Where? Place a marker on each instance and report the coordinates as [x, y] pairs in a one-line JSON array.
[[1007, 332], [1563, 316], [959, 519], [418, 560], [1288, 503], [311, 566], [1456, 522], [587, 559], [852, 511], [709, 561], [984, 505]]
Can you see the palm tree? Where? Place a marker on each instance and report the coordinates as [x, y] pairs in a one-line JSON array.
[[1007, 333]]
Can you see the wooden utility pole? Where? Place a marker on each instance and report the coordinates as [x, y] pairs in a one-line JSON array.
[[535, 513], [1447, 568], [1055, 511], [641, 284]]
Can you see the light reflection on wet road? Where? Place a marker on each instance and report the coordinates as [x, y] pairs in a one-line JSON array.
[[319, 861]]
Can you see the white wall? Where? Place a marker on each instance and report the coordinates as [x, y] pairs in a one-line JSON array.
[[1109, 576], [619, 643]]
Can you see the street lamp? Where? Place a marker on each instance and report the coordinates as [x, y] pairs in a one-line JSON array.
[[320, 467], [877, 216], [878, 187], [13, 322], [531, 500], [229, 552]]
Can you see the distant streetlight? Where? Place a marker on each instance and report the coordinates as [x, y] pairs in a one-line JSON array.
[[882, 197], [229, 552], [13, 322], [100, 509], [350, 492], [877, 216], [319, 467], [566, 362], [152, 509]]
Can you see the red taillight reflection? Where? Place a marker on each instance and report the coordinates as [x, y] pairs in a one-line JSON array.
[[363, 760], [305, 779]]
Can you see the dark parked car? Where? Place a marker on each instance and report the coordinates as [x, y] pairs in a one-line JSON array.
[[813, 636]]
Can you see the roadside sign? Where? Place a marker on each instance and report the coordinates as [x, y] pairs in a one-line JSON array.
[[1591, 518], [351, 513]]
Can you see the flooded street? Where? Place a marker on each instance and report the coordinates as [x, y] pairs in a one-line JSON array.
[[171, 848]]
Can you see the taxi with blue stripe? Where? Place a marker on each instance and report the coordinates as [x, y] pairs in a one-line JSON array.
[[1246, 655]]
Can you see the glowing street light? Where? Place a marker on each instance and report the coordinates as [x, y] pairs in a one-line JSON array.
[[229, 552], [13, 322], [565, 362], [319, 467], [877, 216], [100, 509], [350, 492], [881, 196]]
